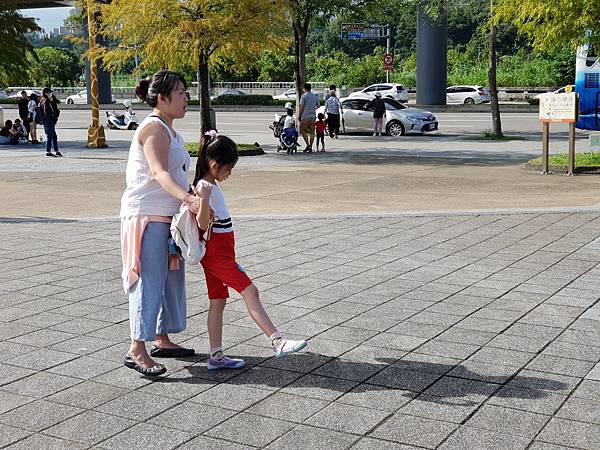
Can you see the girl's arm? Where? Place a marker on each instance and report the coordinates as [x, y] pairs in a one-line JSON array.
[[156, 143], [203, 217]]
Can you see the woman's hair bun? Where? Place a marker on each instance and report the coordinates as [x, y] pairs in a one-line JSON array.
[[142, 87]]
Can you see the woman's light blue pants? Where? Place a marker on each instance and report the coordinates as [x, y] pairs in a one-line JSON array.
[[157, 302]]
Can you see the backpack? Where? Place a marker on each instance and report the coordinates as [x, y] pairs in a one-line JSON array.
[[38, 116], [186, 235]]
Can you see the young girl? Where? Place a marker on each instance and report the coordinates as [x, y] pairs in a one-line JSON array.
[[320, 127], [218, 156]]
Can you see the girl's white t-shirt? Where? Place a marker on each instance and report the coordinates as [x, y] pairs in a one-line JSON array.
[[222, 221]]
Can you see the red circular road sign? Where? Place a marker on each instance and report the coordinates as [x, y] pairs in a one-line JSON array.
[[388, 61]]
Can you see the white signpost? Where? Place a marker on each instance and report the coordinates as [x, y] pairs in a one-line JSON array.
[[559, 108]]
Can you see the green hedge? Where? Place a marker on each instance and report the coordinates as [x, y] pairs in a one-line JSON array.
[[243, 149], [9, 101]]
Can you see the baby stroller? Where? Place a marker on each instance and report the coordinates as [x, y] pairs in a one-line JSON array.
[[287, 137]]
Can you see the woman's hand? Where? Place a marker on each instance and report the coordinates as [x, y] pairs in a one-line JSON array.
[[193, 202]]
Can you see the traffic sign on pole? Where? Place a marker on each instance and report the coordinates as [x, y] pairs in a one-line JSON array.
[[388, 61]]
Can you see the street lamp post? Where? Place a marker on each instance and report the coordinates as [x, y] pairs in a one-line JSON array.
[[96, 137]]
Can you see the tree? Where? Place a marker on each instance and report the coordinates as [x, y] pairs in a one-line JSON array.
[[495, 106], [192, 34], [14, 29], [551, 25], [53, 66]]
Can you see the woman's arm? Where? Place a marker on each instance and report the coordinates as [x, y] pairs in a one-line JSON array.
[[156, 142]]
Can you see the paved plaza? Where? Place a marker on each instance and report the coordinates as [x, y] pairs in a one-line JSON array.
[[466, 331]]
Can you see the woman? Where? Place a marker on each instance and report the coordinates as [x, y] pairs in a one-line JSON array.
[[31, 111], [157, 185], [377, 105], [334, 110], [50, 114]]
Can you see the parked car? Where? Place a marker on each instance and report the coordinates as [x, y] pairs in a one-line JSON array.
[[399, 119], [29, 92], [290, 94], [81, 98], [561, 90], [469, 95], [228, 92], [3, 94], [387, 90]]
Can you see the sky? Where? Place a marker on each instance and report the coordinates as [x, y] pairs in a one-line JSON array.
[[48, 17]]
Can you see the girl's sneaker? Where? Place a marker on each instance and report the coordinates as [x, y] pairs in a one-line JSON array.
[[283, 346], [223, 362]]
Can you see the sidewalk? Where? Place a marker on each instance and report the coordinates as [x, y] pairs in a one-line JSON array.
[[463, 331]]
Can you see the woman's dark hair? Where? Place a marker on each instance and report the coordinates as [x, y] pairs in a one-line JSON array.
[[219, 149], [162, 82], [321, 116], [34, 97]]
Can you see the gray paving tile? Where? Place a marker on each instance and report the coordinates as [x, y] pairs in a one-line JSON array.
[[137, 405], [234, 397], [205, 442], [41, 359], [347, 418], [303, 437], [36, 441], [580, 409], [414, 430], [561, 366], [291, 408], [589, 389], [9, 435], [89, 428], [534, 400], [88, 395], [41, 384], [36, 416], [571, 433], [321, 388], [445, 409], [251, 430], [499, 419], [369, 443], [398, 378], [478, 439], [194, 418], [144, 436]]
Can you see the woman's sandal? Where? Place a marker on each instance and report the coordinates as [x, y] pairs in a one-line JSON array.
[[154, 371]]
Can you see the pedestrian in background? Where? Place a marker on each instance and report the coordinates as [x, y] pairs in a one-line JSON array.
[[309, 102], [23, 111], [50, 113], [334, 110], [378, 107]]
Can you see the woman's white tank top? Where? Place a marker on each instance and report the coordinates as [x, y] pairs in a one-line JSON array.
[[144, 196]]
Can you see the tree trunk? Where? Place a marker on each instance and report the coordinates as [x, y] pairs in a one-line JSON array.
[[496, 121], [300, 33], [204, 93]]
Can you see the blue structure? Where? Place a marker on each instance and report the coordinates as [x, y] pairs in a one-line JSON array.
[[587, 85]]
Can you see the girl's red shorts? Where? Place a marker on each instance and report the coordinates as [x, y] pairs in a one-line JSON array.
[[220, 268]]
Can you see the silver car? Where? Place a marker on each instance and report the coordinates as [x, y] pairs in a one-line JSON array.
[[398, 121]]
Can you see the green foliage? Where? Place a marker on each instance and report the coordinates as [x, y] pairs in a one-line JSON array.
[[275, 66], [243, 149], [54, 67], [13, 35]]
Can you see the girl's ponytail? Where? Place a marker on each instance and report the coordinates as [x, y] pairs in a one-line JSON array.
[[216, 148]]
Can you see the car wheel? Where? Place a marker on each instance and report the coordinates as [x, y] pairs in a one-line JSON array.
[[133, 126], [70, 101], [469, 101], [395, 128]]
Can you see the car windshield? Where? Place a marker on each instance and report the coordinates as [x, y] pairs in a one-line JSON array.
[[391, 104]]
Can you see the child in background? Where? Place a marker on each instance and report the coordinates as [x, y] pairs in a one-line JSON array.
[[321, 127], [218, 156]]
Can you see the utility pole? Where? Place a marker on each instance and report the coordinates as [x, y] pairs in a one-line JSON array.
[[96, 137], [388, 40]]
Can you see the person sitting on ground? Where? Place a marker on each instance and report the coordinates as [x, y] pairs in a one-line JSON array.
[[7, 134], [19, 128]]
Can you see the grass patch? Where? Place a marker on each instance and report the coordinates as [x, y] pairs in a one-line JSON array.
[[243, 149], [584, 163], [487, 135]]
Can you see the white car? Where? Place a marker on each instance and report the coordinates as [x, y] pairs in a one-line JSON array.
[[387, 90], [81, 98], [3, 94], [561, 90], [399, 119], [468, 95], [290, 94]]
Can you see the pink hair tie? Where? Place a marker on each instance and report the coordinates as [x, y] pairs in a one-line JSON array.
[[211, 134]]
